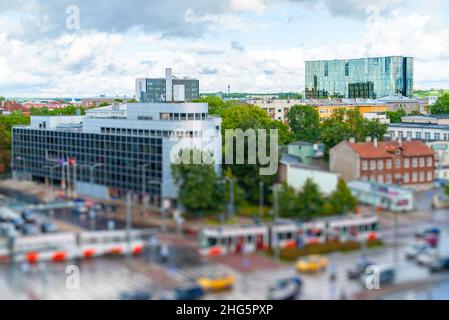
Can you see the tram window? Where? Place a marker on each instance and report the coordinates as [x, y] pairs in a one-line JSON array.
[[318, 233], [212, 242], [344, 230], [375, 226], [289, 235], [249, 239]]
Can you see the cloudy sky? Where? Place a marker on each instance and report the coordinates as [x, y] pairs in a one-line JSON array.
[[253, 45]]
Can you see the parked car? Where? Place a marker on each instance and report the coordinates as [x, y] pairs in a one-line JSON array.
[[430, 235], [217, 282], [387, 275], [29, 229], [440, 264], [189, 291], [358, 269], [415, 249], [48, 227], [312, 263], [29, 216], [7, 229], [427, 257], [135, 295], [286, 289]]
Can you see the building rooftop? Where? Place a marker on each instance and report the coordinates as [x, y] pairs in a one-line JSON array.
[[387, 149]]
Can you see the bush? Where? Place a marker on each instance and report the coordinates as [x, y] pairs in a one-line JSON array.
[[324, 248]]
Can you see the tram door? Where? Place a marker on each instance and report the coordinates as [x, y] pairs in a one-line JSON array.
[[239, 245], [259, 242]]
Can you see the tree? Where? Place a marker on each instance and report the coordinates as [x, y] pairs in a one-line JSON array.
[[341, 200], [199, 187], [216, 105], [246, 117], [395, 116], [345, 124], [2, 98], [288, 202], [310, 201], [441, 106], [305, 123]]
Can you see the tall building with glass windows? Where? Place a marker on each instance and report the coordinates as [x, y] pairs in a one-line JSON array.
[[168, 89], [368, 78]]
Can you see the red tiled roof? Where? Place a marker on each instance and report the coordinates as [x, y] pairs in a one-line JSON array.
[[387, 149]]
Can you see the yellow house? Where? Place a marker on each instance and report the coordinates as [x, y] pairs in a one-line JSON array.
[[325, 111]]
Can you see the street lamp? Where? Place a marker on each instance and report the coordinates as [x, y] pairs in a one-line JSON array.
[[23, 159], [144, 180], [231, 205], [261, 199], [276, 189], [51, 174]]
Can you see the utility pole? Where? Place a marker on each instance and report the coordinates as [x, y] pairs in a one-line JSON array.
[[144, 186], [260, 199], [276, 189], [231, 210], [396, 234]]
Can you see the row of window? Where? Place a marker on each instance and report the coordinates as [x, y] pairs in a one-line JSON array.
[[153, 133], [398, 163], [418, 135], [414, 177], [183, 116]]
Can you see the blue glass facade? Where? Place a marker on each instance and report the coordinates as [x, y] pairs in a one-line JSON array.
[[369, 78]]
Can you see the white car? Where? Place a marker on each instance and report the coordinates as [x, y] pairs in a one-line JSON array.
[[427, 257], [416, 249]]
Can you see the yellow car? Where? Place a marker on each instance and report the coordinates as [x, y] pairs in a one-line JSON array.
[[216, 282], [312, 263]]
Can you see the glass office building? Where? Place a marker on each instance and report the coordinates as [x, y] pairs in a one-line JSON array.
[[367, 78]]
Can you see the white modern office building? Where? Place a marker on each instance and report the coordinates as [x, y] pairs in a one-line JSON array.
[[116, 149], [426, 128]]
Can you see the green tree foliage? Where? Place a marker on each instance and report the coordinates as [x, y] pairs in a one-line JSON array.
[[395, 116], [6, 123], [441, 106], [2, 98], [216, 105], [305, 123], [246, 117], [345, 124], [200, 190], [66, 111], [341, 200], [288, 202], [310, 201]]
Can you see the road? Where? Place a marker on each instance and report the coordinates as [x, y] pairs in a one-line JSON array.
[[105, 278]]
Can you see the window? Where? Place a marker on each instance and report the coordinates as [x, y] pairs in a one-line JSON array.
[[414, 177], [380, 178], [380, 164], [372, 165], [409, 134], [415, 162], [389, 163], [397, 163], [389, 179], [422, 176], [406, 177], [422, 162], [347, 69], [406, 163], [429, 161], [436, 136], [429, 176], [418, 135], [427, 136]]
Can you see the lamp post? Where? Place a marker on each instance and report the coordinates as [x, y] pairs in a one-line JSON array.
[[144, 181], [91, 171], [231, 206], [23, 159], [276, 188], [260, 199], [51, 174]]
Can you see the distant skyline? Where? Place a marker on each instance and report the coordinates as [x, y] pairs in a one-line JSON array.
[[252, 45]]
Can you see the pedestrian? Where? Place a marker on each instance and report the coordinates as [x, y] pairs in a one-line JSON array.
[[164, 252]]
